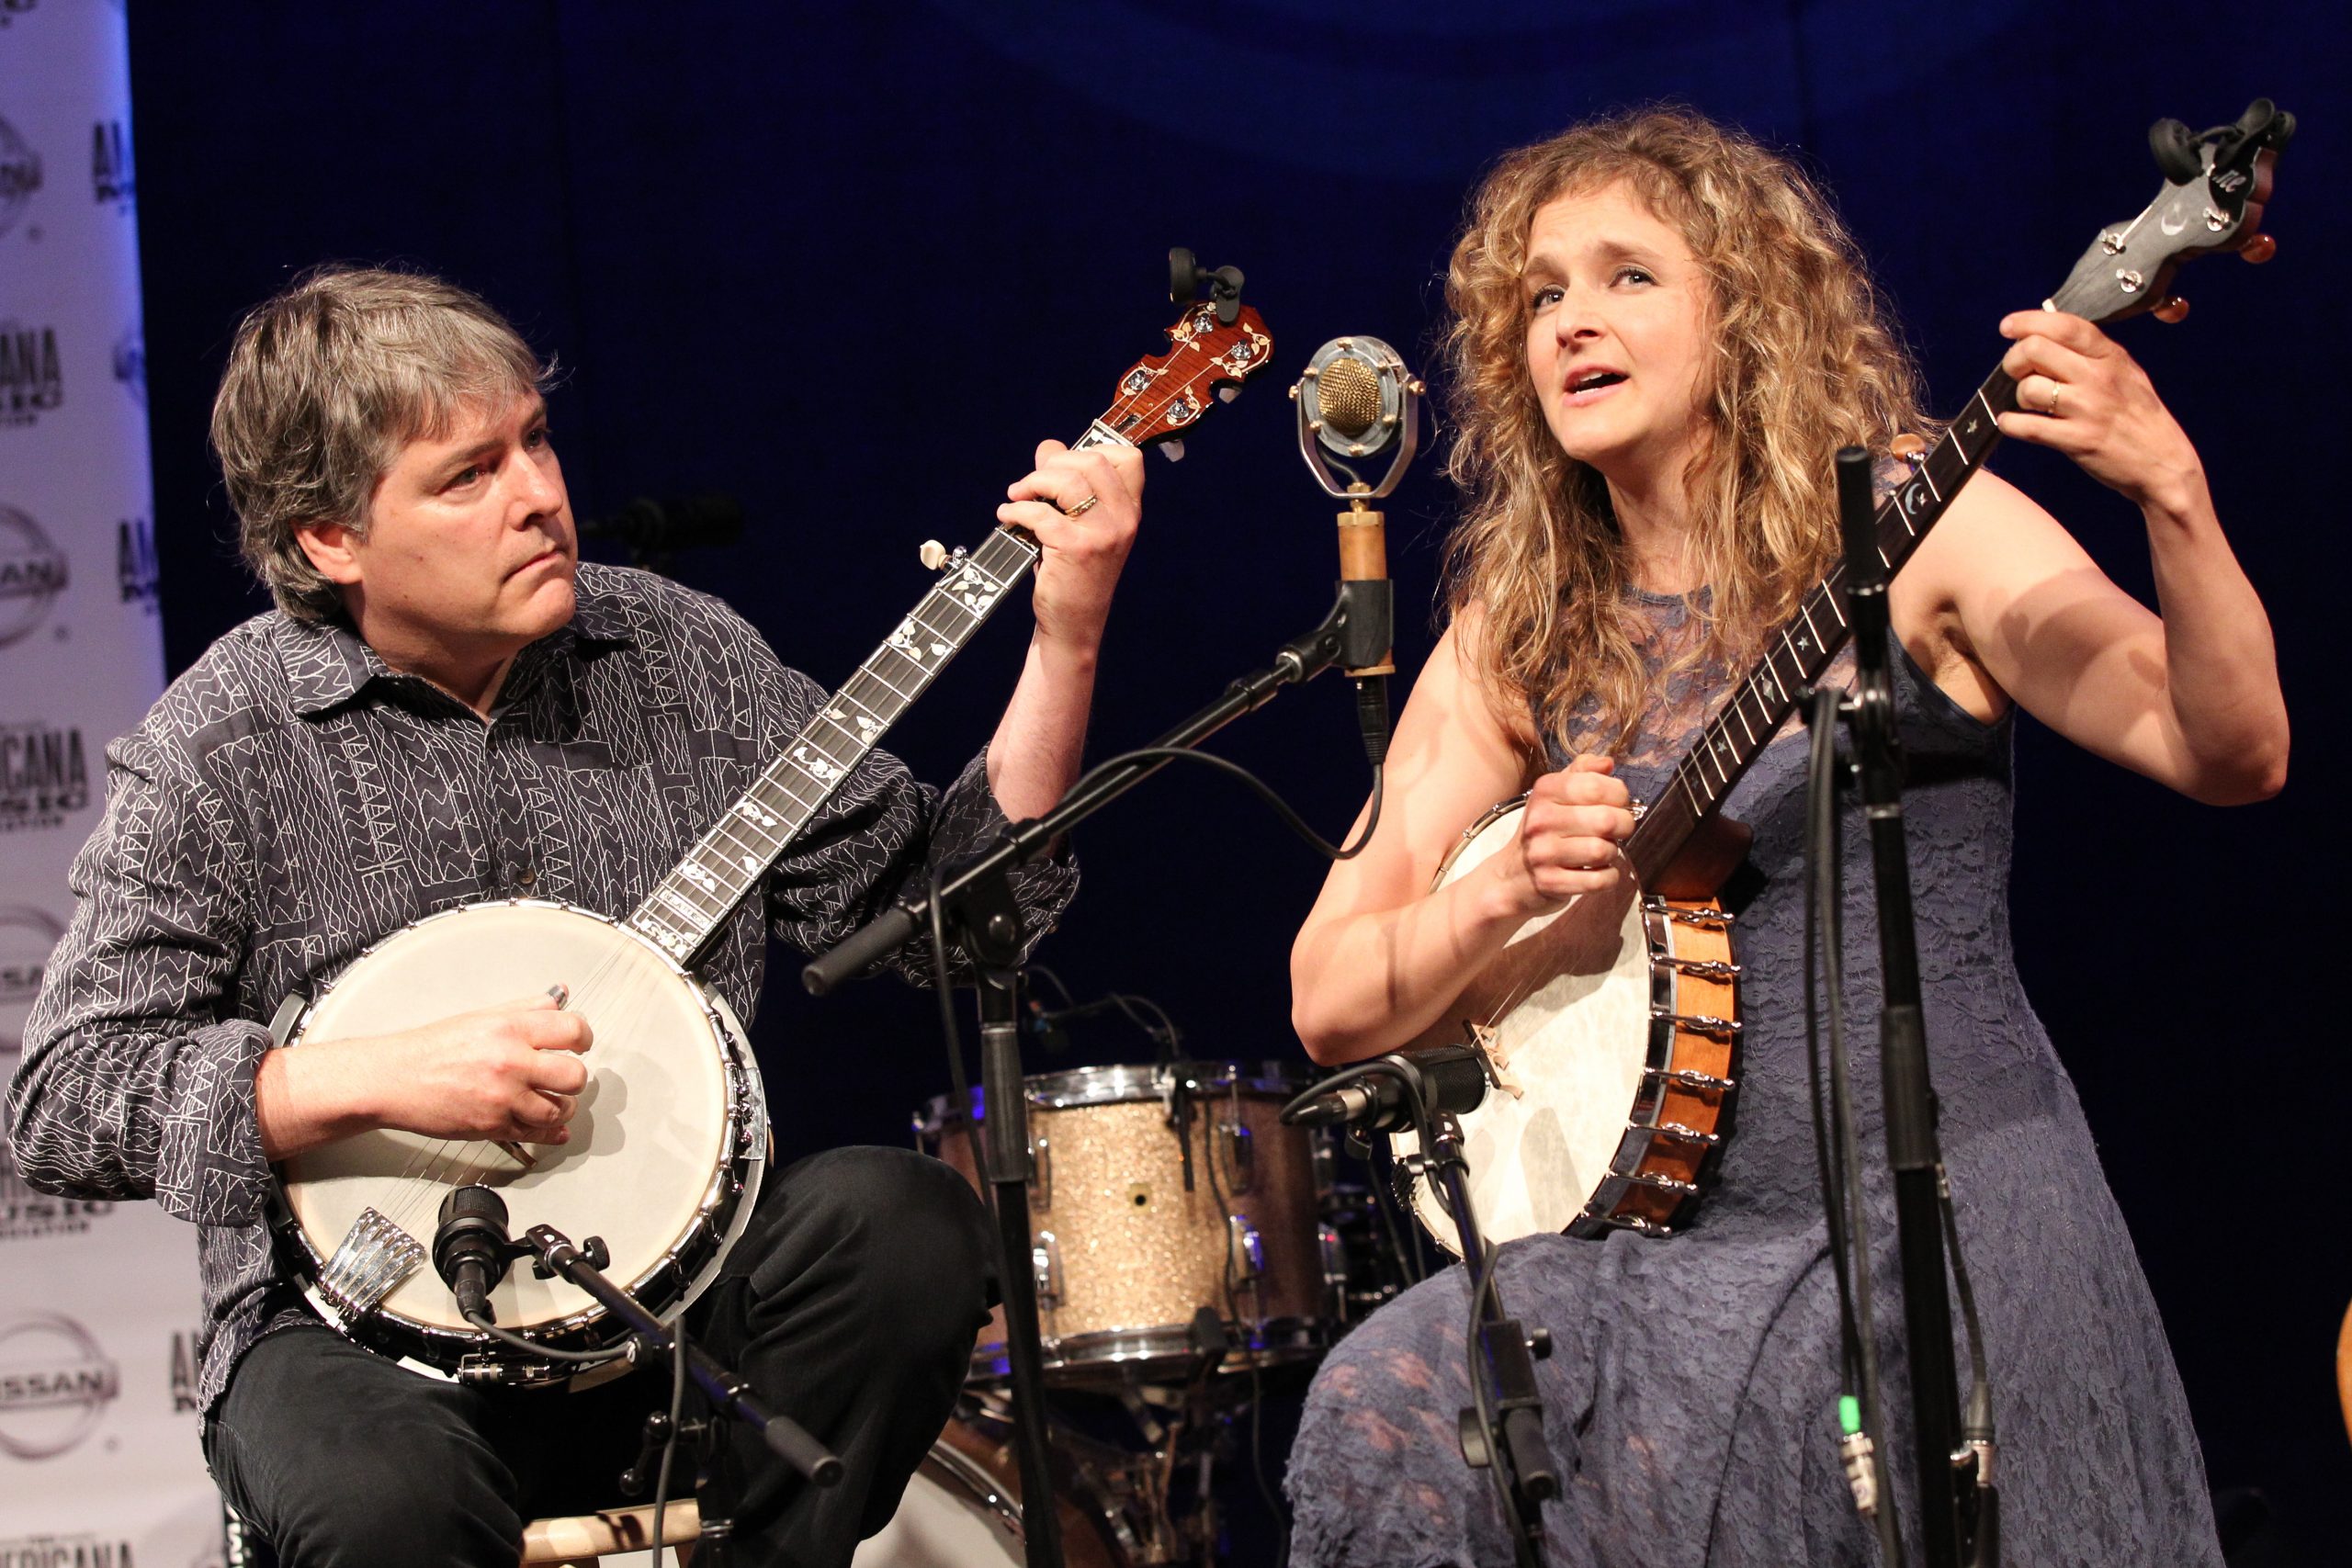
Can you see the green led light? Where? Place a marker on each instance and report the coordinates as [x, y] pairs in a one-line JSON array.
[[1850, 1414]]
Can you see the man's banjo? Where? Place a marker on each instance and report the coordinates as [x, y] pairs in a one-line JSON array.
[[1611, 1026], [669, 1141]]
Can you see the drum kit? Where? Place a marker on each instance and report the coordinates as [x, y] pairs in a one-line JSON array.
[[1185, 1244]]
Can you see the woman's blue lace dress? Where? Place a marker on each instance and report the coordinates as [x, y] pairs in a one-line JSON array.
[[1692, 1395]]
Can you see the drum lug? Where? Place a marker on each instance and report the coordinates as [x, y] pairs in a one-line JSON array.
[[1712, 919], [1240, 1151], [1247, 1248], [1335, 1271], [1682, 1134], [1041, 1160], [1046, 1266], [1662, 1182], [1697, 1022]]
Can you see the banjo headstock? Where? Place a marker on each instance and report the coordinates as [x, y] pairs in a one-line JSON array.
[[1161, 396], [2217, 184]]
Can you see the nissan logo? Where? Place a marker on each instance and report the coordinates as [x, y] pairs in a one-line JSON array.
[[54, 1384]]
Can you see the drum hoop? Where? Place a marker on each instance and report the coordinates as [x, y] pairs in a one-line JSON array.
[[1125, 1084], [1283, 1340], [982, 1487], [736, 1179]]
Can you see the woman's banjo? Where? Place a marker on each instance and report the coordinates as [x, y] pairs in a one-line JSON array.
[[669, 1138]]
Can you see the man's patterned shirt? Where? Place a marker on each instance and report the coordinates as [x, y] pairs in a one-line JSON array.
[[291, 800]]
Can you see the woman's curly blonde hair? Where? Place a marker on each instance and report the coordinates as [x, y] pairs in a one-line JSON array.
[[1805, 363]]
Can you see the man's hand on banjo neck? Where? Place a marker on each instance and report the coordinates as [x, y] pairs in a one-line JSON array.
[[506, 1074]]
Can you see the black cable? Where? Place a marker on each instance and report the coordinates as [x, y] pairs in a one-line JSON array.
[[959, 1083], [669, 1439], [1962, 1288], [585, 1358], [1820, 831], [1167, 1036], [1290, 818], [1067, 1000], [1827, 845], [1380, 1171]]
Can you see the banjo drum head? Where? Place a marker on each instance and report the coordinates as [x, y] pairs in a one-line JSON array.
[[1569, 998], [647, 1136]]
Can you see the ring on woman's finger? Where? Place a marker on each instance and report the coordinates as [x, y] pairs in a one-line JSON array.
[[2051, 412], [1082, 508]]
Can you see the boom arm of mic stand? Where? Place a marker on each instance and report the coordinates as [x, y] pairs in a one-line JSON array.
[[1300, 659], [728, 1393]]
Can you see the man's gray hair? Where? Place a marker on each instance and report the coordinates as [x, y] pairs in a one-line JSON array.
[[327, 382]]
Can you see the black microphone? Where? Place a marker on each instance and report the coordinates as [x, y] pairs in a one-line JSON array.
[[651, 527], [471, 1249], [1375, 1096]]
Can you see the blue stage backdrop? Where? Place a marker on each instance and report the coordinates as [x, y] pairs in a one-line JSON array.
[[849, 263]]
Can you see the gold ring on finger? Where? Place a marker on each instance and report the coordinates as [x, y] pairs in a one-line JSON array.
[[2055, 388], [1082, 508]]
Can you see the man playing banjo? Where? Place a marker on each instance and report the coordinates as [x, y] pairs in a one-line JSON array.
[[447, 706]]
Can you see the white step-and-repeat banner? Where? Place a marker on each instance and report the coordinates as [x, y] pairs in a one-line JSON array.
[[98, 1460]]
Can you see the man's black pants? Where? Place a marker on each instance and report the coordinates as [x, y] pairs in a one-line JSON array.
[[850, 1303]]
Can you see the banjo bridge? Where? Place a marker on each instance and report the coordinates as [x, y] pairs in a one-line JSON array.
[[1489, 1045], [375, 1256]]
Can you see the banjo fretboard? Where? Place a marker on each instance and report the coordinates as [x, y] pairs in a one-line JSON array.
[[1802, 650], [750, 836]]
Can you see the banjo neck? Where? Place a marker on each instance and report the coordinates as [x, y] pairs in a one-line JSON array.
[[1159, 398], [686, 907], [2212, 202], [1798, 655]]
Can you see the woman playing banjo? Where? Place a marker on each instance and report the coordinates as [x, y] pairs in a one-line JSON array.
[[1659, 335]]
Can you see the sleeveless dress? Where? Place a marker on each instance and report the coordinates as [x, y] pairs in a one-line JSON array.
[[1690, 1397]]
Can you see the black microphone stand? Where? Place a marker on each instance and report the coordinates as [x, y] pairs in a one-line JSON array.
[[978, 901], [1502, 1429], [986, 918], [1944, 1452], [728, 1393]]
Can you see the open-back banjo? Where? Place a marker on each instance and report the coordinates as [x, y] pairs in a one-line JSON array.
[[1611, 1026], [669, 1138]]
